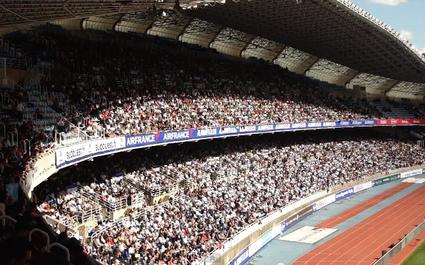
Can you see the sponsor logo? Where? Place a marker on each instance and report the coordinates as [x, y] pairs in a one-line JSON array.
[[176, 135], [357, 122], [345, 123], [283, 226], [265, 127], [141, 139], [385, 180], [290, 221], [410, 173], [363, 186], [314, 124], [105, 146], [324, 202], [242, 257], [206, 132], [298, 125], [247, 129], [283, 126], [75, 152], [228, 130], [329, 124], [369, 122], [343, 194]]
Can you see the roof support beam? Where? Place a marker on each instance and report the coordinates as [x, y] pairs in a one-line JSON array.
[[82, 23], [309, 65], [391, 86], [246, 45], [116, 22], [345, 78], [215, 36], [150, 26], [354, 75], [184, 28], [278, 54]]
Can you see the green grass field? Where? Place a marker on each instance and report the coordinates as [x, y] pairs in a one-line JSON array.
[[417, 257]]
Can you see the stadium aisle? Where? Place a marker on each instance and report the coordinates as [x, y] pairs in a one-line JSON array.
[[285, 252]]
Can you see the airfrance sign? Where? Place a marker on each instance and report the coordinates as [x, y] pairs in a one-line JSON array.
[[78, 152]]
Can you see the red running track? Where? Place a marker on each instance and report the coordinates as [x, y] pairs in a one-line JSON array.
[[364, 242], [334, 221]]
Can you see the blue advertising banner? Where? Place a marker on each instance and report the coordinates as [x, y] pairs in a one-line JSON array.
[[344, 194], [199, 133], [265, 127], [141, 140], [228, 130], [173, 136], [66, 156], [344, 123], [241, 258]]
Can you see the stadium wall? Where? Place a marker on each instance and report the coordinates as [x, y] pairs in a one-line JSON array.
[[62, 157], [247, 243]]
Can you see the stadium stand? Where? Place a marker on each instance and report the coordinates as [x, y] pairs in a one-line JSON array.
[[130, 91], [220, 189], [175, 204]]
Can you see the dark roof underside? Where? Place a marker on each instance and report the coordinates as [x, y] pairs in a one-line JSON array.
[[324, 28]]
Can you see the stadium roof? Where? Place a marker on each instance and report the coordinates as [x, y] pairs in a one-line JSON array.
[[333, 29], [330, 40], [19, 13]]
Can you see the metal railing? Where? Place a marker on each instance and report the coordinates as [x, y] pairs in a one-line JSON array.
[[7, 224], [26, 146], [73, 134], [65, 222], [119, 203], [2, 130], [394, 250], [61, 247], [49, 246], [4, 98], [37, 230], [138, 199], [90, 214], [120, 221], [12, 137]]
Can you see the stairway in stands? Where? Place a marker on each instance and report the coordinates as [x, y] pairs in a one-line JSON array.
[[38, 109]]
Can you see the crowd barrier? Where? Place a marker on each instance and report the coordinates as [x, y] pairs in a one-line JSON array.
[[70, 155], [240, 249], [386, 258]]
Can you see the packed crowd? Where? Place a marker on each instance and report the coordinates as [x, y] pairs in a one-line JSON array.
[[158, 85], [221, 189], [20, 144], [226, 187], [87, 190], [111, 190], [68, 207]]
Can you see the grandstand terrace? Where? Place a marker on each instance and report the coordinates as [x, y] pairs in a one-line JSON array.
[[241, 111], [222, 188]]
